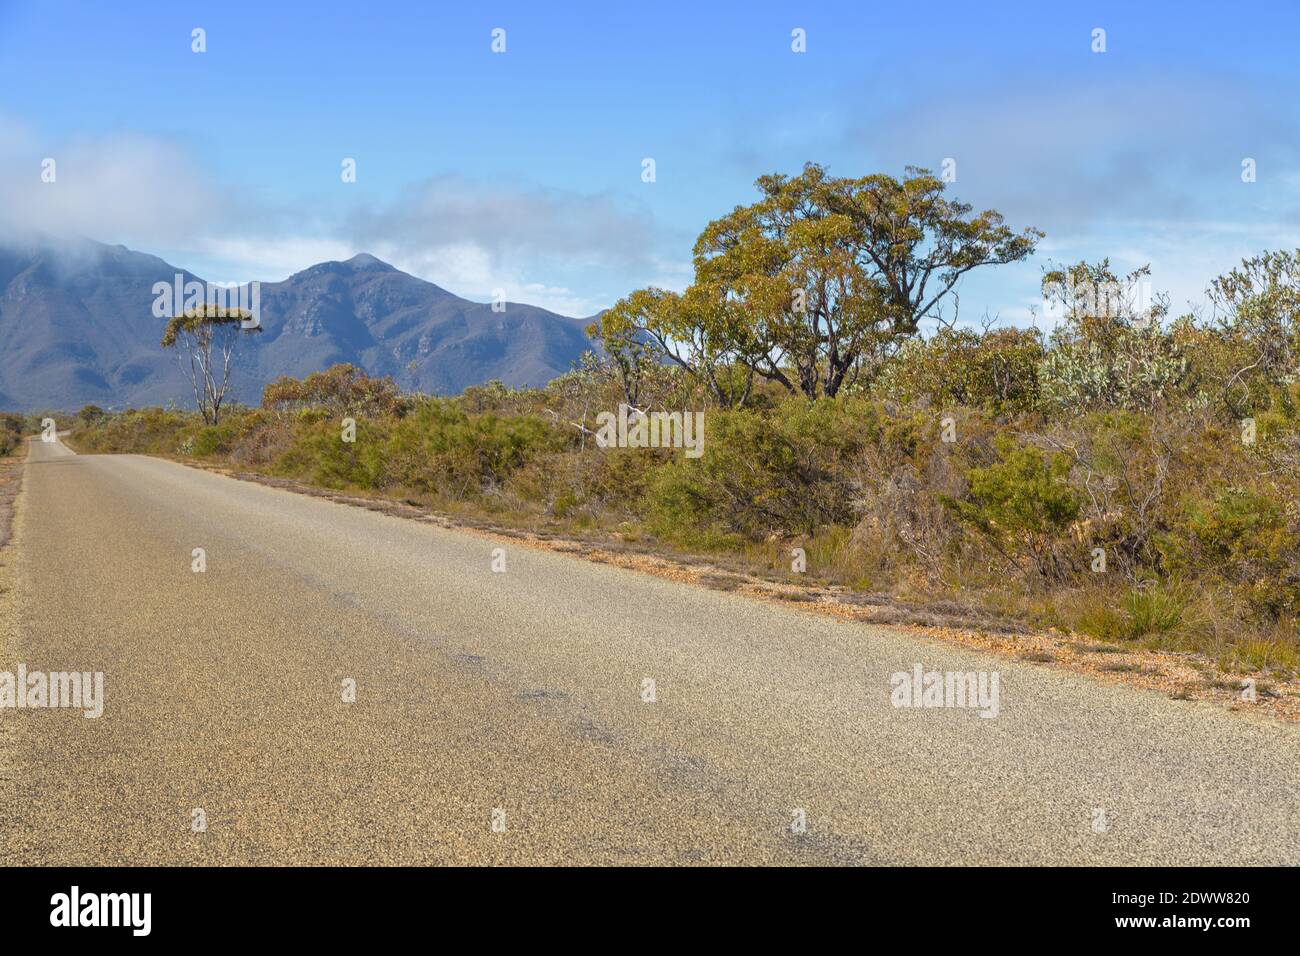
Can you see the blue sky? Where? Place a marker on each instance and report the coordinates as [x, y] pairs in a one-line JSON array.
[[522, 170]]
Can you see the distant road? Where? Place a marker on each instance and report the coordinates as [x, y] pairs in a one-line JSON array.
[[523, 692]]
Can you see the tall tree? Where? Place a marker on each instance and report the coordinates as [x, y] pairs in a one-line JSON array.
[[789, 267], [808, 286], [206, 339], [916, 244]]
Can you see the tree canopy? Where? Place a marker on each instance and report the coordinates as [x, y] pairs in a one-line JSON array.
[[804, 286], [203, 320]]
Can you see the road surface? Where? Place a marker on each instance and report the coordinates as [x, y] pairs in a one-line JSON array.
[[519, 698]]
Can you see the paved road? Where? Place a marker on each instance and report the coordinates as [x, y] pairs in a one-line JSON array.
[[522, 691]]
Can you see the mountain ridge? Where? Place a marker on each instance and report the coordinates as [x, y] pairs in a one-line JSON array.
[[77, 328]]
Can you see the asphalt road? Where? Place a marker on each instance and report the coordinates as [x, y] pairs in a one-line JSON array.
[[523, 692]]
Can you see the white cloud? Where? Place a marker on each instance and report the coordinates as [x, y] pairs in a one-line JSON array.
[[268, 259], [509, 222], [1072, 156], [124, 188], [541, 245]]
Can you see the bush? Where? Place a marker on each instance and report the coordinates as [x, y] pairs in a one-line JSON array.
[[442, 449], [1245, 539], [12, 428], [784, 473], [1138, 614], [150, 431], [1111, 349], [1154, 611], [1023, 504], [339, 390], [320, 456], [996, 370]]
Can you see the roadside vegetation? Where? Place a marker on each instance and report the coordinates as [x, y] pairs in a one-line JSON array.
[[1132, 477], [12, 429]]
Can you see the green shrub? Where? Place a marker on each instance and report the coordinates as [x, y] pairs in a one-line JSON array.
[[996, 370], [782, 473], [213, 440], [1245, 539], [442, 449], [339, 390], [1153, 611], [1022, 503], [320, 456], [11, 433], [1104, 621], [1111, 349], [150, 431]]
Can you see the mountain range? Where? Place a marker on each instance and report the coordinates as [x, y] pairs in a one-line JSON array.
[[77, 327]]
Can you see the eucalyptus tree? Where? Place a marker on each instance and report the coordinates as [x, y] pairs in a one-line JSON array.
[[809, 285], [206, 339]]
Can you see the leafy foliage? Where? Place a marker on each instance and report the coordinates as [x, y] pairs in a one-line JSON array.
[[1023, 503], [340, 390], [996, 370], [806, 287], [11, 433]]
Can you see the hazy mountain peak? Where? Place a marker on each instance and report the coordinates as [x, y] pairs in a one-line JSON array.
[[76, 327], [364, 260]]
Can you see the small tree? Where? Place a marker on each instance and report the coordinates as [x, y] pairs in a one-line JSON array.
[[208, 336], [1258, 303], [1111, 349], [628, 351], [698, 331]]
